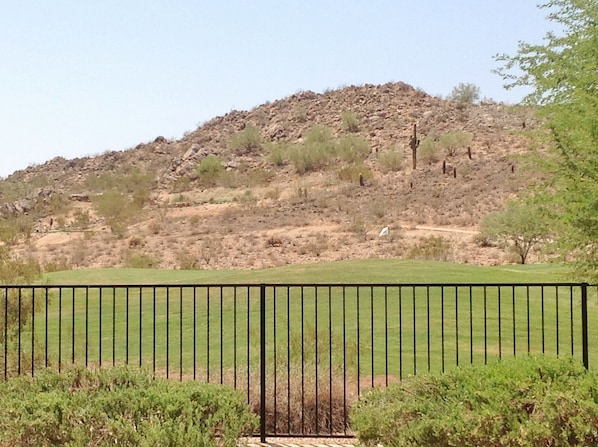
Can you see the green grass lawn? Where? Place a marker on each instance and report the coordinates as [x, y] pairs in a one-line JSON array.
[[213, 332]]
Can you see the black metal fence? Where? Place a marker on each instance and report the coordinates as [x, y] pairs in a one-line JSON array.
[[301, 353]]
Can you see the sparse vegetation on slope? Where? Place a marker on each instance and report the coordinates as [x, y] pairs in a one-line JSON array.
[[320, 174]]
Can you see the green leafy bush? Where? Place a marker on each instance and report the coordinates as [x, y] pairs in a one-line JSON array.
[[454, 140], [119, 406], [524, 401], [209, 169], [247, 141]]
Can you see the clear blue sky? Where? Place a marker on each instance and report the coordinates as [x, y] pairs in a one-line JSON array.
[[79, 78]]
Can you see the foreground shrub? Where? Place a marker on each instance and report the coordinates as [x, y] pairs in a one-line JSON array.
[[519, 402], [120, 406]]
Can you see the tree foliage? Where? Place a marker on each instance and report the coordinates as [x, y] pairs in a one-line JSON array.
[[519, 227], [563, 74], [465, 93]]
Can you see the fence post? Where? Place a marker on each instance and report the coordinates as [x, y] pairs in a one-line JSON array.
[[584, 324], [263, 363]]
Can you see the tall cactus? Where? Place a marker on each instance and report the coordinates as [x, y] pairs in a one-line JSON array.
[[414, 144]]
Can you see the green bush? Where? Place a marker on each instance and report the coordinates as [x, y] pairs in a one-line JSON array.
[[524, 401], [119, 406], [391, 161], [209, 169], [465, 93], [247, 141], [353, 149], [350, 121], [454, 140], [427, 151]]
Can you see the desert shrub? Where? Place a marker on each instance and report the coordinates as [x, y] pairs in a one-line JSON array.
[[391, 161], [136, 260], [246, 141], [352, 172], [209, 169], [120, 406], [319, 134], [465, 93], [316, 152], [117, 210], [278, 153], [300, 113], [432, 248], [350, 121], [310, 158], [427, 152], [15, 228], [353, 148], [81, 219], [18, 270], [525, 401], [454, 140]]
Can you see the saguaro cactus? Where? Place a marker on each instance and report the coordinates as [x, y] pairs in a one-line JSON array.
[[414, 144]]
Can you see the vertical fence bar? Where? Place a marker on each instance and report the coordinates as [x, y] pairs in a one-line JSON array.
[[457, 325], [386, 334], [543, 319], [47, 304], [584, 325], [6, 332], [113, 326], [73, 317], [571, 318], [529, 347], [428, 323], [401, 333], [470, 324], [358, 343], [499, 323], [140, 326], [274, 359], [442, 324], [345, 415], [556, 303], [263, 363], [514, 322], [154, 331], [126, 326], [181, 333], [330, 392], [59, 329], [168, 332], [99, 326], [485, 325], [32, 331], [221, 334], [316, 378], [288, 293], [372, 332], [20, 330], [414, 337], [86, 326]]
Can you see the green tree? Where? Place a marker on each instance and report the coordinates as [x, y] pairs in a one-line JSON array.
[[519, 227], [465, 93], [564, 80]]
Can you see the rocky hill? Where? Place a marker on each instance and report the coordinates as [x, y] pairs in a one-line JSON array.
[[256, 205]]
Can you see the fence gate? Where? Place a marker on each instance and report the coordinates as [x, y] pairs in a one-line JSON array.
[[301, 353]]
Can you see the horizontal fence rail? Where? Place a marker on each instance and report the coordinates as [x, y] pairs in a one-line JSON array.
[[301, 353]]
